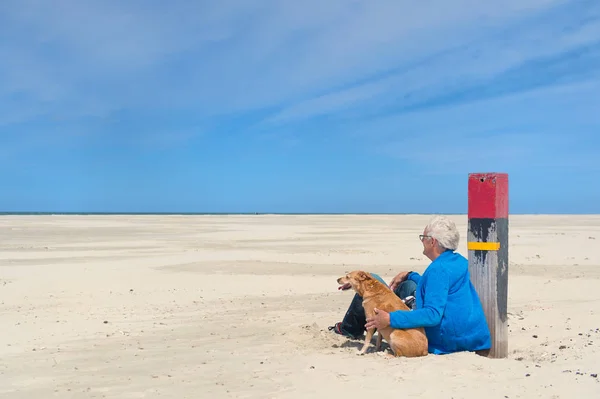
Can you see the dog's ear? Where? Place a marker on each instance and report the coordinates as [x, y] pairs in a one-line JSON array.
[[362, 276]]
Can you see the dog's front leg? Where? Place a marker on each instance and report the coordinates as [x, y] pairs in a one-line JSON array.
[[367, 341]]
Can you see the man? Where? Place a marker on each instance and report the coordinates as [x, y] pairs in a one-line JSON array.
[[447, 305]]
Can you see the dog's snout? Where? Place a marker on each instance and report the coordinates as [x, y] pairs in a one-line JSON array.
[[339, 280]]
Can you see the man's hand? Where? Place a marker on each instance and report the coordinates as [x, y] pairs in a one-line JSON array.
[[379, 321], [398, 279]]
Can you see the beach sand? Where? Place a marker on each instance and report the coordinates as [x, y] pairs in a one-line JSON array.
[[238, 306]]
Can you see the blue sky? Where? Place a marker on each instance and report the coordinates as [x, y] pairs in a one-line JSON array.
[[288, 106]]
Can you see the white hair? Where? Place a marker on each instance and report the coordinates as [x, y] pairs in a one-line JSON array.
[[444, 231]]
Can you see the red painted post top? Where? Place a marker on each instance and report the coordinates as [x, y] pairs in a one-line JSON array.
[[488, 195]]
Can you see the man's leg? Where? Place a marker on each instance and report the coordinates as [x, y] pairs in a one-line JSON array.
[[407, 289], [354, 321]]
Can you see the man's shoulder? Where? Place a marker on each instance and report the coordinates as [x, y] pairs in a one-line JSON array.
[[458, 257], [451, 256], [446, 264]]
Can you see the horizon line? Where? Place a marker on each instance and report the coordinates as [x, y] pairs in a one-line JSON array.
[[74, 213]]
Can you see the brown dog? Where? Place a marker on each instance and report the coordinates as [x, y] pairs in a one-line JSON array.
[[403, 342]]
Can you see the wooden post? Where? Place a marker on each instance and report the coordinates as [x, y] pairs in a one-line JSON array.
[[487, 242]]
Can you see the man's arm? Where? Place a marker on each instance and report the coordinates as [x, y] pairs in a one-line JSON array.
[[436, 296], [414, 276]]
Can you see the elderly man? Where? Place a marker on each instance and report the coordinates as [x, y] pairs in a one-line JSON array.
[[446, 305]]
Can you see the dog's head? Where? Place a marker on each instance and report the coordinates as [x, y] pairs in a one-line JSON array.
[[355, 280]]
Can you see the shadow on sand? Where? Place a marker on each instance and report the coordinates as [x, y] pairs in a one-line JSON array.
[[359, 342]]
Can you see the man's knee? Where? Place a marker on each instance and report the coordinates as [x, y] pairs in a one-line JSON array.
[[405, 289]]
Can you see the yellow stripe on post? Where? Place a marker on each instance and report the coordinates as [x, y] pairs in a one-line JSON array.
[[483, 246]]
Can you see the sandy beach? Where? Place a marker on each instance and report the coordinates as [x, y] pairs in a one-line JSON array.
[[238, 306]]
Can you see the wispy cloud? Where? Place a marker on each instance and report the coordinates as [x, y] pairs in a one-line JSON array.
[[167, 140], [535, 48], [94, 57], [546, 129], [361, 65]]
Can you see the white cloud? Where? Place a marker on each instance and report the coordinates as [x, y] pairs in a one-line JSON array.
[[71, 59], [551, 128], [513, 56]]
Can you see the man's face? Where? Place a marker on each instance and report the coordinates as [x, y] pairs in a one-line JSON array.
[[428, 244]]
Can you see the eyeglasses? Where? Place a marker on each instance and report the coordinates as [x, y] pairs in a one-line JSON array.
[[422, 237]]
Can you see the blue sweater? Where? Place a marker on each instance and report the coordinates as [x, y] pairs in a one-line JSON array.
[[448, 307]]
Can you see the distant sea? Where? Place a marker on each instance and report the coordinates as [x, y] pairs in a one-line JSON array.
[[194, 213], [130, 213]]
